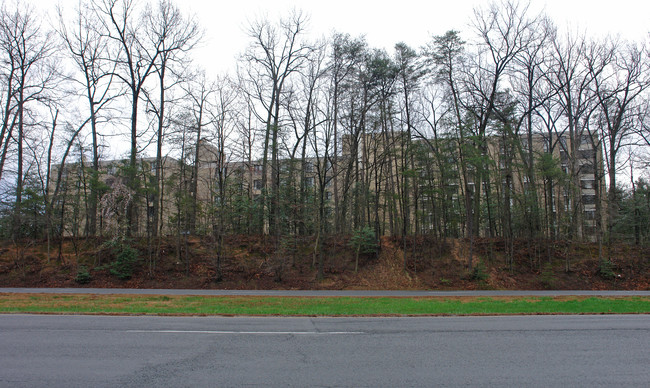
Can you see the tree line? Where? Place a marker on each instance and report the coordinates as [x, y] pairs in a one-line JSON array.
[[477, 134]]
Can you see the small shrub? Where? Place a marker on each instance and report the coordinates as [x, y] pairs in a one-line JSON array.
[[606, 269], [364, 241], [478, 272], [83, 275], [125, 258]]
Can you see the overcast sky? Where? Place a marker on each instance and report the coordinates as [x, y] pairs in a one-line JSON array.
[[385, 23]]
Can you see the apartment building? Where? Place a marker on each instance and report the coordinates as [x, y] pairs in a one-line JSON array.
[[436, 205], [379, 163]]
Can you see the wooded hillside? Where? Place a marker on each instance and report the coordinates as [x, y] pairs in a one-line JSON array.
[[512, 131]]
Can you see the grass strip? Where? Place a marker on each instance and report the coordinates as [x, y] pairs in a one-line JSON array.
[[317, 306]]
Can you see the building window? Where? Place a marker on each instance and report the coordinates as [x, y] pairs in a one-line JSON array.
[[587, 168], [589, 199], [587, 183], [257, 184], [567, 202], [587, 154], [257, 168], [309, 181], [328, 195], [564, 156], [308, 167]]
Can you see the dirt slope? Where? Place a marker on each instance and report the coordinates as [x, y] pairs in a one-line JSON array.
[[256, 262]]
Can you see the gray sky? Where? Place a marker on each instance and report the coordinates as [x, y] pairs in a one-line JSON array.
[[385, 23]]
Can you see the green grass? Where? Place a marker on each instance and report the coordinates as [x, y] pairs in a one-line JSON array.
[[316, 306]]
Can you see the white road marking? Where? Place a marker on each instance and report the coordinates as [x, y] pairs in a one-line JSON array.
[[248, 332]]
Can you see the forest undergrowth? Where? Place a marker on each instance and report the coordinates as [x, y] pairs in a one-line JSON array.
[[255, 262]]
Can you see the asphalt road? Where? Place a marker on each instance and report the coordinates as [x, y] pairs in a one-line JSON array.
[[318, 292], [147, 351]]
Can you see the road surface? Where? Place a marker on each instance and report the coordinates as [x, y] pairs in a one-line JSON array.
[[148, 351]]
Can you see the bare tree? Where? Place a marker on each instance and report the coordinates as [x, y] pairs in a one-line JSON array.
[[320, 135], [303, 110], [89, 49], [346, 56], [359, 95], [619, 94], [275, 53], [219, 159], [571, 79], [247, 135], [306, 116], [135, 57], [9, 74], [532, 92], [27, 48], [174, 35], [447, 53], [410, 71], [200, 94], [504, 31]]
